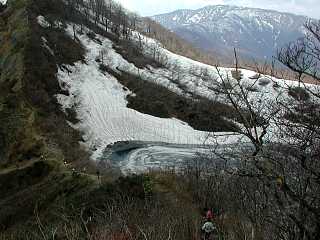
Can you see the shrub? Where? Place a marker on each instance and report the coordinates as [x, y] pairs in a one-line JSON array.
[[299, 93], [2, 7], [133, 186], [91, 35], [133, 54], [236, 74], [256, 76], [103, 67], [227, 85], [264, 81], [276, 85], [252, 88]]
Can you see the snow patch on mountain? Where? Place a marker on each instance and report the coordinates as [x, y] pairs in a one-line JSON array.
[[255, 32], [101, 106]]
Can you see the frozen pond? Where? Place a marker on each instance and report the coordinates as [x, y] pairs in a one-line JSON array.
[[137, 156]]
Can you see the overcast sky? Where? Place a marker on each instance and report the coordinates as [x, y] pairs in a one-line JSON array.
[[310, 8]]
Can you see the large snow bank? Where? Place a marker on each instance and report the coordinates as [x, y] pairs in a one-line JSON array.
[[100, 102]]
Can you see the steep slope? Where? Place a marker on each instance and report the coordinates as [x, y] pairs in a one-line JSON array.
[[97, 74], [44, 63], [29, 108], [21, 140], [71, 88], [35, 138], [97, 93], [257, 33], [40, 142], [100, 100], [39, 191]]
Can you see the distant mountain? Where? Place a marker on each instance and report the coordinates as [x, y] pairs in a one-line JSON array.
[[257, 33]]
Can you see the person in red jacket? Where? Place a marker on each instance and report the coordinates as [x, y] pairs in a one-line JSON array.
[[208, 227], [209, 214]]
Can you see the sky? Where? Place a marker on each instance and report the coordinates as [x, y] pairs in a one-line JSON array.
[[309, 8]]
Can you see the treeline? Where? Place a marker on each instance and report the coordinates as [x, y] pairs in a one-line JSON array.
[[113, 18], [176, 44]]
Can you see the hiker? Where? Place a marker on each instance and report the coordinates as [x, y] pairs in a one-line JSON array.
[[209, 215], [208, 229]]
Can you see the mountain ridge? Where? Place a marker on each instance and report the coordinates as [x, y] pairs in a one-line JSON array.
[[255, 32], [232, 6]]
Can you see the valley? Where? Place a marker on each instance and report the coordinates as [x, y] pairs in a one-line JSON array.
[[112, 127]]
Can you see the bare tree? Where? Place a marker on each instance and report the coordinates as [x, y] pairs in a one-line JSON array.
[[278, 172]]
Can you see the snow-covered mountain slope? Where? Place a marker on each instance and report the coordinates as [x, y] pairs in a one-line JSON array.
[[256, 33], [100, 100], [101, 105]]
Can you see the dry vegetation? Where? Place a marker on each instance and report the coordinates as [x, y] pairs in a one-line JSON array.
[[130, 208], [267, 191], [200, 113]]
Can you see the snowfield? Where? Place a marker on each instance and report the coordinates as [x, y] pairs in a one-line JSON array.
[[100, 102], [101, 105]]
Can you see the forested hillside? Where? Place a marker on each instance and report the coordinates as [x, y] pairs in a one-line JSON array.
[[256, 33]]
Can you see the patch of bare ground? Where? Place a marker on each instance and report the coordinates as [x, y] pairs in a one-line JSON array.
[[156, 100]]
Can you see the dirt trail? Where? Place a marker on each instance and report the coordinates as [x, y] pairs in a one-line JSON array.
[[18, 166]]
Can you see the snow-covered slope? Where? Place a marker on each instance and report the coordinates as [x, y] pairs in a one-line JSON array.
[[100, 100], [256, 32]]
